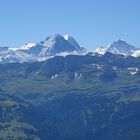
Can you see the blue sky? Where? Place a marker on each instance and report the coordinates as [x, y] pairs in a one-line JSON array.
[[93, 23]]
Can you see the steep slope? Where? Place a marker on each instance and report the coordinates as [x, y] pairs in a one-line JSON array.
[[119, 47], [33, 51], [58, 45], [71, 40]]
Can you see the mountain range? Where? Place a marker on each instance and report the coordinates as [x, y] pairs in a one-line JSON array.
[[57, 44], [34, 51], [63, 92], [120, 47]]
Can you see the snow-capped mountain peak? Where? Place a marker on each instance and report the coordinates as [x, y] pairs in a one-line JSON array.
[[118, 47], [71, 40], [58, 45], [53, 37], [38, 51]]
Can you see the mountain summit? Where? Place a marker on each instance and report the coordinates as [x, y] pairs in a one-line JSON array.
[[52, 45], [38, 51], [118, 47], [58, 45], [121, 47]]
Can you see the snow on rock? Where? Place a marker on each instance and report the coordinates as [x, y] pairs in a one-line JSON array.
[[115, 68], [119, 47], [133, 73], [28, 45], [71, 40], [136, 53], [77, 75], [58, 45], [33, 51], [54, 76], [133, 70], [101, 50]]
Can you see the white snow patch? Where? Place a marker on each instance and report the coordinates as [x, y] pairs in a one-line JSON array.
[[77, 75], [115, 67], [96, 66], [28, 45], [136, 53], [66, 37], [133, 70], [100, 50], [133, 73], [54, 76]]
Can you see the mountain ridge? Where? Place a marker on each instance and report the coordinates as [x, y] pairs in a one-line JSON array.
[[119, 47], [38, 51], [58, 45]]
